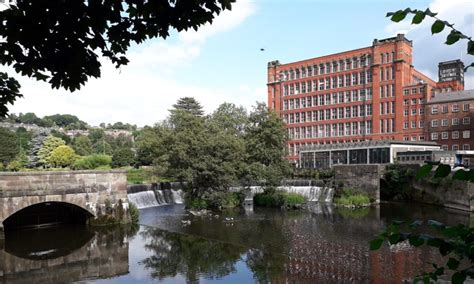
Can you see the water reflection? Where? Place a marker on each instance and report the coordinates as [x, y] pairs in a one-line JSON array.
[[324, 245], [193, 257], [64, 254]]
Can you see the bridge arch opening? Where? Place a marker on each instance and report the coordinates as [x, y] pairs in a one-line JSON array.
[[46, 214]]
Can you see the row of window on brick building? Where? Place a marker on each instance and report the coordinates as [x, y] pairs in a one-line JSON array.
[[466, 134], [445, 108], [326, 68], [328, 114], [355, 128], [455, 121], [455, 147], [339, 66], [328, 83], [328, 99]]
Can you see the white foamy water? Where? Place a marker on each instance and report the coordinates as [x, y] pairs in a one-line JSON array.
[[151, 198]]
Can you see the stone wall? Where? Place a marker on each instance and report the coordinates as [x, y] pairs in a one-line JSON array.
[[90, 190], [445, 192], [361, 178]]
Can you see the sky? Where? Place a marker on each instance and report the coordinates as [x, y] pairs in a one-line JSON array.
[[223, 62]]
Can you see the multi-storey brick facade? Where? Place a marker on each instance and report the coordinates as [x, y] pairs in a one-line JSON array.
[[450, 120], [371, 93]]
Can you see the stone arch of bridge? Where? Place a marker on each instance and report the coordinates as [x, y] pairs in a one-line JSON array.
[[37, 214]]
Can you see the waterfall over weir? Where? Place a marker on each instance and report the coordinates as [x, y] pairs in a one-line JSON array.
[[312, 193], [144, 196]]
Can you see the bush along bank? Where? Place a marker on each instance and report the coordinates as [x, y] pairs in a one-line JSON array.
[[352, 199], [279, 199]]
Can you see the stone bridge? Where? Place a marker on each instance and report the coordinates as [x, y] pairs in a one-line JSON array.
[[32, 198]]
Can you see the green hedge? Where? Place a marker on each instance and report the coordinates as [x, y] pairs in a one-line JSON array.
[[93, 162]]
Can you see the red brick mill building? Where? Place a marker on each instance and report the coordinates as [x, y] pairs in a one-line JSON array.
[[370, 93]]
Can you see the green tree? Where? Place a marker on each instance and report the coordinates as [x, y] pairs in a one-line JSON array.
[[63, 156], [36, 144], [82, 145], [189, 105], [77, 31], [149, 144], [9, 147], [231, 118], [96, 135], [24, 138], [29, 118], [265, 140], [49, 144], [123, 157], [61, 135]]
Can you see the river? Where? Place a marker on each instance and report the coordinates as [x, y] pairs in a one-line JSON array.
[[325, 245]]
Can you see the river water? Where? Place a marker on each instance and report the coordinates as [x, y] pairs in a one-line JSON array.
[[325, 245]]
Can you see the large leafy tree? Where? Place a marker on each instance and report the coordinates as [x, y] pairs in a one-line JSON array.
[[60, 41], [265, 138], [189, 105], [212, 153], [9, 147], [36, 144], [82, 145], [63, 156], [123, 157], [50, 143]]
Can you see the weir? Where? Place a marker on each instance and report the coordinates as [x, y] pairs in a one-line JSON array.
[[150, 195]]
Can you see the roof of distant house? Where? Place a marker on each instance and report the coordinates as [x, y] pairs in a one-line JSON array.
[[452, 97]]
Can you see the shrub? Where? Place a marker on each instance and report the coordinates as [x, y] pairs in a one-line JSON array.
[[350, 197], [232, 199], [62, 156], [136, 176], [92, 162], [292, 199], [134, 213], [196, 203]]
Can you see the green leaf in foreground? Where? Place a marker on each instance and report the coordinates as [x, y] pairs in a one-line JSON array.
[[424, 171], [462, 175], [442, 171], [458, 278], [453, 37], [437, 27], [376, 244], [418, 18]]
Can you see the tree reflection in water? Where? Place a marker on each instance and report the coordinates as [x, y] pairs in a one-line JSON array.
[[187, 255], [196, 257]]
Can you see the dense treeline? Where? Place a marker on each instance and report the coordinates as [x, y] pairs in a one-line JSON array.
[[22, 149], [208, 153], [65, 121], [211, 153]]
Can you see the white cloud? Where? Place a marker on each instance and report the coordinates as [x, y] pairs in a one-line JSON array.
[[429, 50], [143, 91]]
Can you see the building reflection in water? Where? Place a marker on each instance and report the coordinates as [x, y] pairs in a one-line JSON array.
[[64, 254], [330, 245]]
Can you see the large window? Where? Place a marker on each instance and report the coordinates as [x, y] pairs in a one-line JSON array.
[[339, 157], [358, 156], [379, 156]]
